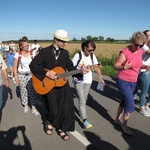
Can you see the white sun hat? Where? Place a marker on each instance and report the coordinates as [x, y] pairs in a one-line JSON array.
[[61, 35]]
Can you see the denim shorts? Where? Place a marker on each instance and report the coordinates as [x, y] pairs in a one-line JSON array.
[[127, 99]]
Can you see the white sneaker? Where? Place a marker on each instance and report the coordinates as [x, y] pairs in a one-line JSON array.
[[26, 109], [147, 109], [144, 112], [14, 81], [9, 75], [35, 112]]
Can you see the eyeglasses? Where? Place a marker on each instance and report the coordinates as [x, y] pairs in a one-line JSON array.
[[90, 50], [137, 45]]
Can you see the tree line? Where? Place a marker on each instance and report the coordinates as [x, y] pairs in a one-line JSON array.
[[100, 38]]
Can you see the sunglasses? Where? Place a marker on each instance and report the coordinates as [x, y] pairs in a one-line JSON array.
[[90, 50], [61, 41], [137, 45]]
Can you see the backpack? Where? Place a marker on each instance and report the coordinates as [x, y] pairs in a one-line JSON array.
[[80, 57], [20, 55], [80, 76]]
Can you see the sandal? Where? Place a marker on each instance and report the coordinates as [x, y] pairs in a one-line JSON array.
[[48, 128], [63, 135]]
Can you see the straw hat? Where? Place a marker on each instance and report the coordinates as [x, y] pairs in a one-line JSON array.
[[61, 35]]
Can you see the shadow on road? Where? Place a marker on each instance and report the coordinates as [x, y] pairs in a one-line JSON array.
[[97, 143], [139, 141], [110, 90], [6, 92], [10, 140], [100, 109]]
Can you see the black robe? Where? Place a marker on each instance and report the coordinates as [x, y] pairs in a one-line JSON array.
[[59, 100]]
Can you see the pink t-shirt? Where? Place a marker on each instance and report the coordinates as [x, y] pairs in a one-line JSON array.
[[131, 74]]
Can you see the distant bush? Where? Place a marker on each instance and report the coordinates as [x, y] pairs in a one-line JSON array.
[[108, 64], [72, 54], [109, 71], [107, 61]]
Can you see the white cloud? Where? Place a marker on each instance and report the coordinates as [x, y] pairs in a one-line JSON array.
[[7, 36]]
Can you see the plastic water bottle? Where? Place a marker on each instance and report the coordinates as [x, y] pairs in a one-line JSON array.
[[101, 86]]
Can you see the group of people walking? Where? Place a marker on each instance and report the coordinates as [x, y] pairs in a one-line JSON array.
[[53, 60], [133, 65], [18, 61]]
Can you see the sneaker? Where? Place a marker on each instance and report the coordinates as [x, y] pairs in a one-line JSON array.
[[9, 75], [136, 101], [144, 112], [147, 109], [26, 109], [87, 125], [14, 81], [35, 112]]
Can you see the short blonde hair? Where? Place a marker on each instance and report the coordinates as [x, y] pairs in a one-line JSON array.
[[138, 37]]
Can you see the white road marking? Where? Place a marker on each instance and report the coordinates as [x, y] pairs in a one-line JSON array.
[[81, 138]]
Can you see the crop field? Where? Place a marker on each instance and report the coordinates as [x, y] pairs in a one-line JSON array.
[[102, 50]]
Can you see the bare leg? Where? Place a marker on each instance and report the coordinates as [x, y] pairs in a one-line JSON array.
[[119, 115], [124, 124]]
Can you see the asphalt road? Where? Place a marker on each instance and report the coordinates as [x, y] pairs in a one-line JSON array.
[[20, 131]]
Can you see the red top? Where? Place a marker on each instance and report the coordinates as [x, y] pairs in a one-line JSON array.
[[131, 74]]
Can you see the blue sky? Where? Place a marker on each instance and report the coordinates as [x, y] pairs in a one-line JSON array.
[[39, 19]]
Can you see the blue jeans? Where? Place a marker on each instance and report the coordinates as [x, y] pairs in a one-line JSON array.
[[1, 98], [137, 88], [82, 90], [144, 80]]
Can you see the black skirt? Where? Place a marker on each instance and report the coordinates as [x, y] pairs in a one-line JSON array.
[[60, 108]]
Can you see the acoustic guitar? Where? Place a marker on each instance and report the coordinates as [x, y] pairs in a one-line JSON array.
[[45, 86]]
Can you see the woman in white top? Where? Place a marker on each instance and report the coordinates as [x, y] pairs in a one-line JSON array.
[[83, 84], [144, 78], [23, 76]]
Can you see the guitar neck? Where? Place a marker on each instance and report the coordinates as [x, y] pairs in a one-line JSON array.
[[66, 74]]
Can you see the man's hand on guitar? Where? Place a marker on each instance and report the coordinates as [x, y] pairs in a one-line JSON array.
[[51, 74]]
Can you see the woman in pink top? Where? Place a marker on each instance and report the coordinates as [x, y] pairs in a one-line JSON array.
[[128, 64]]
